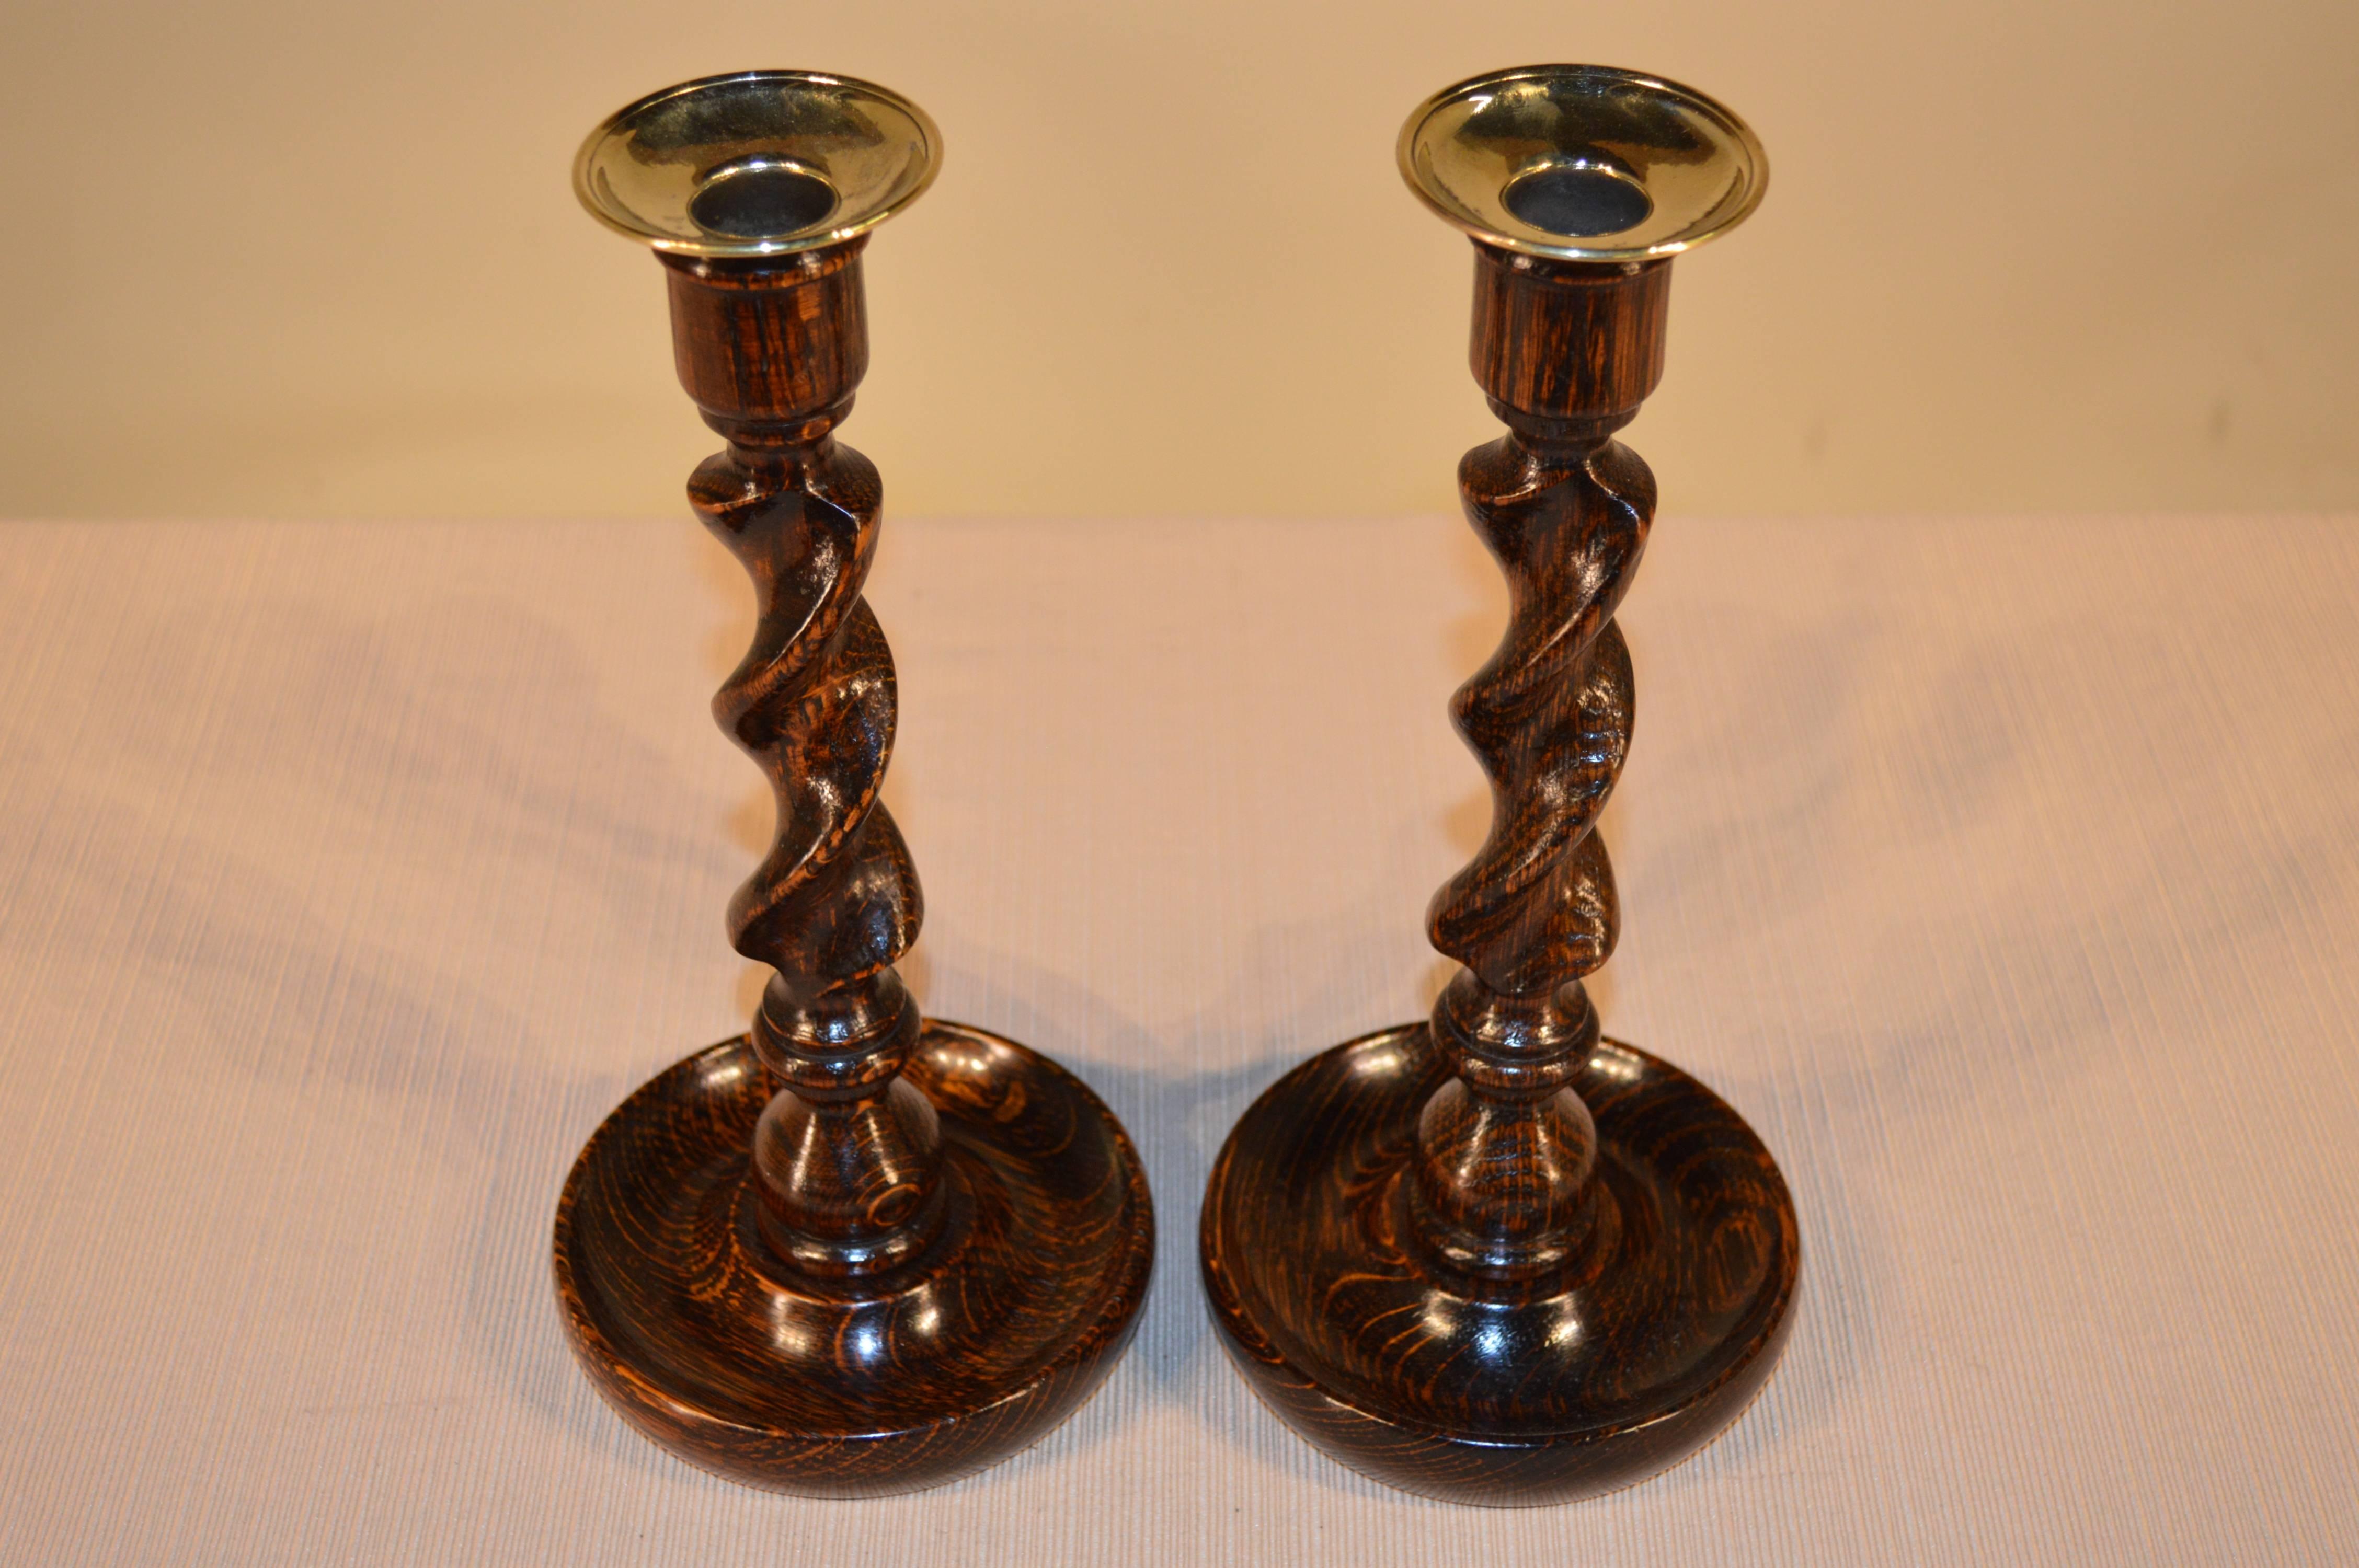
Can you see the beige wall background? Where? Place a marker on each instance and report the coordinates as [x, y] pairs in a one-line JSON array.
[[291, 258]]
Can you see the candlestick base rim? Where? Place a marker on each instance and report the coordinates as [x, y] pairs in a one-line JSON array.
[[1496, 1392], [950, 1364]]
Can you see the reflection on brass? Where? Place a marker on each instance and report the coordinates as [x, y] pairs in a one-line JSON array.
[[757, 163], [1631, 166]]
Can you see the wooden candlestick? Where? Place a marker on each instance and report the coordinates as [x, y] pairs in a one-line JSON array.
[[853, 1251], [1496, 1258]]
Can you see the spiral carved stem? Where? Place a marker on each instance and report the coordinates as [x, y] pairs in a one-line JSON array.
[[846, 1169], [1502, 1185]]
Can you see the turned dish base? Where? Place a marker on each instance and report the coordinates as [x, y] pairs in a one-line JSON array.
[[970, 1351], [1641, 1350]]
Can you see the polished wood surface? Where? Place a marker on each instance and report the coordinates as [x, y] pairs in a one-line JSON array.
[[705, 1341], [1495, 1257], [850, 1252]]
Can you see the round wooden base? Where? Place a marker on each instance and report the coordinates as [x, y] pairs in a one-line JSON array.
[[954, 1361], [1475, 1391]]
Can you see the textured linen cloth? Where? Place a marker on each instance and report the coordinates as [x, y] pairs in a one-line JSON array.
[[2003, 873]]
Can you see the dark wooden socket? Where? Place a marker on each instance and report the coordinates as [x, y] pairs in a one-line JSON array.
[[853, 1251], [764, 348], [1567, 342], [1495, 1257]]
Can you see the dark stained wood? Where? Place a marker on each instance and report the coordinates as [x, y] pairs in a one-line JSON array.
[[1624, 1360], [699, 1336], [850, 1252], [1496, 1258], [1566, 341]]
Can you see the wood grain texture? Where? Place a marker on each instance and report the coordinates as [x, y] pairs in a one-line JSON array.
[[775, 1259], [1456, 1256], [698, 1338], [1565, 348], [1625, 1360]]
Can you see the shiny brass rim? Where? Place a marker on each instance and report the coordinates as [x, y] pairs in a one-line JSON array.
[[756, 163], [1583, 162]]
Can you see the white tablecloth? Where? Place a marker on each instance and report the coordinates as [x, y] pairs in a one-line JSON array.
[[2003, 873]]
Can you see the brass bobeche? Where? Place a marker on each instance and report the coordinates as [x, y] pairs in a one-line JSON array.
[[1583, 162], [757, 163]]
